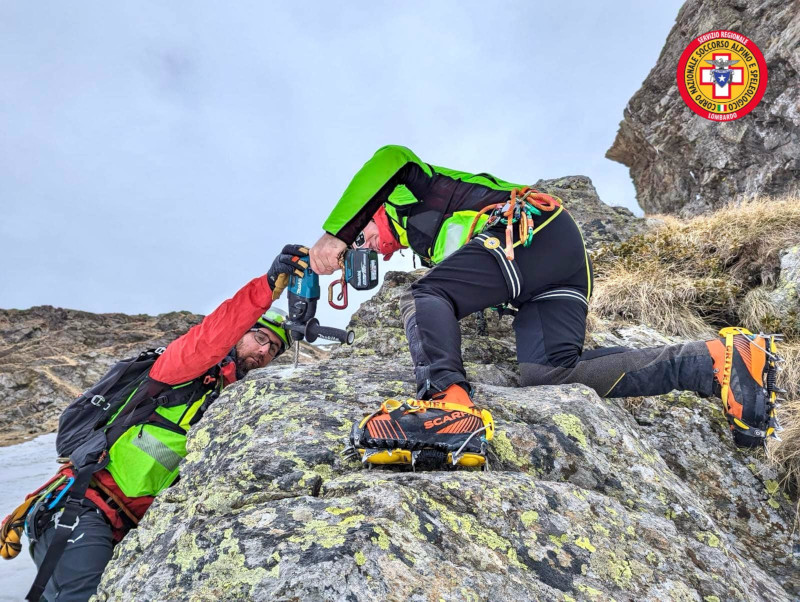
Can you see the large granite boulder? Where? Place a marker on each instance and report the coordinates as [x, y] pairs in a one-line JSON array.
[[683, 163], [585, 501]]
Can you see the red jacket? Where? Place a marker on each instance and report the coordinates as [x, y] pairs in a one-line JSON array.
[[206, 344], [188, 357]]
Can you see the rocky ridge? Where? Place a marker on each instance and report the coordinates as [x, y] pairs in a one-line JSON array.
[[585, 501], [683, 163], [49, 355], [599, 222]]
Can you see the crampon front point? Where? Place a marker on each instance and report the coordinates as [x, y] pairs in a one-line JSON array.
[[423, 434]]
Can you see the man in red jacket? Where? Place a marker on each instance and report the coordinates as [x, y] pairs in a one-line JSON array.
[[235, 338]]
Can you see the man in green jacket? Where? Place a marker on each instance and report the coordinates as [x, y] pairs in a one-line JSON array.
[[459, 223]]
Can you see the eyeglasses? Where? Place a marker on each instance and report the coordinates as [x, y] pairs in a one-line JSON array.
[[263, 340]]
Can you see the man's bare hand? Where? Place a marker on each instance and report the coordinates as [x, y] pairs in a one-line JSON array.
[[325, 254]]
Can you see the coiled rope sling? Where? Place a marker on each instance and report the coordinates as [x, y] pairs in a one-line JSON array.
[[519, 209]]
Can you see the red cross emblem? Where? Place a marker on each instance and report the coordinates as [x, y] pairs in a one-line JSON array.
[[723, 92]]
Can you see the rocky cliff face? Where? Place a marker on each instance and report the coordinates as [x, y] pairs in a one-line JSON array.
[[682, 163], [585, 501], [49, 355]]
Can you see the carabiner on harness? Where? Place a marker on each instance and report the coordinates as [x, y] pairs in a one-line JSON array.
[[41, 503], [61, 493], [519, 209]]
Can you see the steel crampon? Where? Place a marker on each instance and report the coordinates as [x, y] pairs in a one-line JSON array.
[[425, 435]]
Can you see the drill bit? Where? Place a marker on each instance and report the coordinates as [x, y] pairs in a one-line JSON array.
[[296, 352]]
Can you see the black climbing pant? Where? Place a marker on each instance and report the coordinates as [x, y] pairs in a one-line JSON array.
[[550, 283], [86, 555]]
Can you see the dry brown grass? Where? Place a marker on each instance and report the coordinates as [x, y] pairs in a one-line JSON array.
[[690, 277], [687, 274], [754, 308], [656, 298], [785, 454], [789, 376]]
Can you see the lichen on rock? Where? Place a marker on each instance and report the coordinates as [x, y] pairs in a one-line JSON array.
[[583, 501]]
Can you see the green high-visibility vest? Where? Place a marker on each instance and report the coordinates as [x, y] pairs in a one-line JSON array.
[[145, 459]]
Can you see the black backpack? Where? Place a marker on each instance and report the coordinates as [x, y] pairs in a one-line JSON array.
[[94, 407]]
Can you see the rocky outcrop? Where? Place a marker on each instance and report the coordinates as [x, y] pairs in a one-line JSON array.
[[600, 223], [49, 355], [585, 501], [683, 163]]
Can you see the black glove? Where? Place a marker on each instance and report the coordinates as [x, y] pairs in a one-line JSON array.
[[289, 261]]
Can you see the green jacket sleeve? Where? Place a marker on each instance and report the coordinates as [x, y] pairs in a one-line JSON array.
[[390, 167]]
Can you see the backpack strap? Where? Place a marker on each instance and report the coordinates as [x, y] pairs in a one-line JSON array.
[[98, 391], [146, 394], [65, 526]]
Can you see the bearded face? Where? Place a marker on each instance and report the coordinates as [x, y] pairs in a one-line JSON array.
[[256, 349]]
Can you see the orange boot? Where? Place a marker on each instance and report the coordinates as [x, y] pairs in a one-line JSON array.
[[447, 430], [745, 367], [456, 394]]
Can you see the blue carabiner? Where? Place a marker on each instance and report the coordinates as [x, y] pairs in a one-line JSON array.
[[53, 504]]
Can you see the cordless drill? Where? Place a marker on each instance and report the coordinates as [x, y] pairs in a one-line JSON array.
[[359, 269]]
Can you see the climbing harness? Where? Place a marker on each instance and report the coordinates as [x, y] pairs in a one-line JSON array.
[[519, 209]]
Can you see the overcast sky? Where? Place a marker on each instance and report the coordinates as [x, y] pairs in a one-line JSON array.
[[154, 156]]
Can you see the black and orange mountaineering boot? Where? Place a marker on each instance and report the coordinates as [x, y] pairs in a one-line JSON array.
[[745, 368], [446, 430]]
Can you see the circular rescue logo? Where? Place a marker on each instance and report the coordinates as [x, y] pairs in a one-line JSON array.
[[722, 75], [491, 243]]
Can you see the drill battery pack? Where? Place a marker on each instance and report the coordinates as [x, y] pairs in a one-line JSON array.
[[361, 269]]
